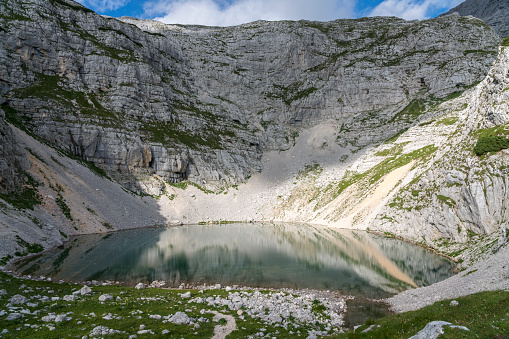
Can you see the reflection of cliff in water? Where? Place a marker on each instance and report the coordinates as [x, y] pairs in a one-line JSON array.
[[281, 255]]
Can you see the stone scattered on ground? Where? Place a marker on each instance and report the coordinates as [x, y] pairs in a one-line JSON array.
[[105, 297], [18, 299], [85, 290], [140, 286], [434, 329]]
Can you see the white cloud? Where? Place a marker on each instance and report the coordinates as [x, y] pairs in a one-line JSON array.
[[413, 9], [223, 13], [103, 5]]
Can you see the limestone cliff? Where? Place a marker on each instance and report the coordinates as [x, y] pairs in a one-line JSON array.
[[12, 160], [204, 103], [493, 12], [426, 184], [366, 123]]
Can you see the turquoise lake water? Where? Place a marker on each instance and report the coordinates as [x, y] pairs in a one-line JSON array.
[[254, 255]]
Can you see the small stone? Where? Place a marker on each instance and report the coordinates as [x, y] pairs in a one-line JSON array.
[[69, 298], [140, 286], [239, 312], [18, 299], [13, 316], [186, 295], [142, 327], [3, 292], [61, 317], [105, 297], [180, 318], [165, 332], [454, 303], [85, 290], [48, 318], [145, 332]]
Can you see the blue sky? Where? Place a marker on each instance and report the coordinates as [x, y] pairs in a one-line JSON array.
[[234, 12]]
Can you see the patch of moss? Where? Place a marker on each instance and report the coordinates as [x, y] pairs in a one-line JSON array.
[[107, 225], [28, 248], [397, 149], [396, 136], [448, 121], [5, 260], [414, 109], [291, 93], [27, 197], [446, 200], [75, 6], [490, 144], [63, 206], [49, 87], [119, 32]]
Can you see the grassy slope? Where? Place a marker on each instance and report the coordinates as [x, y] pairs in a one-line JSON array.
[[153, 301], [486, 314]]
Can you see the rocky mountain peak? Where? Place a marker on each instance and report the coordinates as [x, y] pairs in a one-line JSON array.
[[493, 12]]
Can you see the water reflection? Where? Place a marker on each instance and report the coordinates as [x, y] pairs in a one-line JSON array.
[[265, 255]]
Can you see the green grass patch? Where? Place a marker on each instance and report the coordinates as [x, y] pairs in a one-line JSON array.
[[490, 144], [5, 260], [60, 201], [377, 172], [107, 225], [291, 93], [27, 247], [446, 200], [448, 121], [26, 197], [413, 110], [395, 150], [170, 132], [396, 136], [314, 170], [185, 183], [505, 42], [72, 5], [485, 314], [50, 87], [90, 165], [129, 309]]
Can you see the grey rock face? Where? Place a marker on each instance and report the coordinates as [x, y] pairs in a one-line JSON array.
[[179, 318], [459, 194], [203, 103], [12, 158], [18, 299], [493, 12]]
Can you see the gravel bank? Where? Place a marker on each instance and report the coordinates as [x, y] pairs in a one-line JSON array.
[[486, 275]]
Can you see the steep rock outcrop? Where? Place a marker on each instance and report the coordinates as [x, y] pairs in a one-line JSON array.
[[204, 103], [493, 12], [461, 194], [426, 184], [13, 160]]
